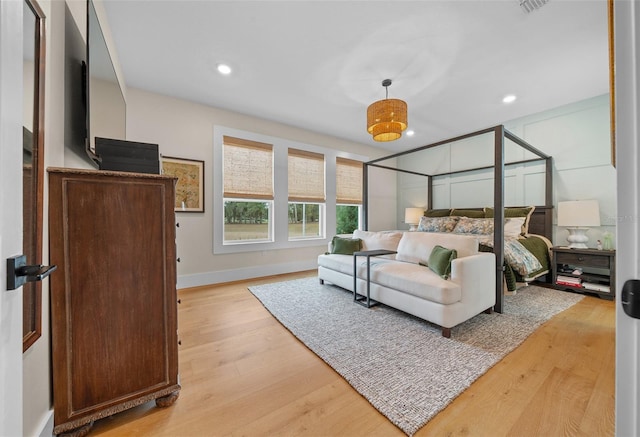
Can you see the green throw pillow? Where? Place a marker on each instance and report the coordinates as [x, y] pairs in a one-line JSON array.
[[440, 260], [471, 213], [511, 212], [437, 212], [345, 246]]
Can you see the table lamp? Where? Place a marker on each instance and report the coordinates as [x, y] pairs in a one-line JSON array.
[[412, 217], [578, 216]]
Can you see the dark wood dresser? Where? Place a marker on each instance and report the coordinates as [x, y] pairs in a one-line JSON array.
[[113, 300]]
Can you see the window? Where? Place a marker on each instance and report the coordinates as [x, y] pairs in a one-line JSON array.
[[248, 191], [306, 181], [272, 193], [348, 195]]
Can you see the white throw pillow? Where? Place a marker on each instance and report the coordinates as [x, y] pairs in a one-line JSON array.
[[378, 240]]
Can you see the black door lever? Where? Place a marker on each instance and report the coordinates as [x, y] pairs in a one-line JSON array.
[[630, 298], [18, 272]]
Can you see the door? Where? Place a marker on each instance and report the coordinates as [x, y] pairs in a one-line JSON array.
[[10, 214], [627, 69]]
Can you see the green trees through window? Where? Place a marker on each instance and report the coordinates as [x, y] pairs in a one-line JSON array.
[[346, 218]]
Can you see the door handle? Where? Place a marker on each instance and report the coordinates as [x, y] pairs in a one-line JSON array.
[[630, 298], [18, 272]]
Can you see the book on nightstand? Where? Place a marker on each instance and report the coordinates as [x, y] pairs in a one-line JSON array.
[[568, 280], [603, 288]]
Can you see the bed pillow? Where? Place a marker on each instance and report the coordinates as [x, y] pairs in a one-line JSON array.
[[471, 213], [437, 224], [513, 226], [440, 260], [345, 246], [476, 226], [515, 212], [437, 213]]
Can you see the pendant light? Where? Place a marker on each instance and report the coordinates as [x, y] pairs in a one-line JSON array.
[[386, 119]]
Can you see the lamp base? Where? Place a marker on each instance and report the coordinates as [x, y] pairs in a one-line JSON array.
[[413, 228], [578, 238]]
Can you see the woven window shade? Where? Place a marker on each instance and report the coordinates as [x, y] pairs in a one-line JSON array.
[[306, 176], [248, 169], [348, 181]]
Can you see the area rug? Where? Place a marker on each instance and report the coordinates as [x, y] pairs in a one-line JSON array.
[[399, 363]]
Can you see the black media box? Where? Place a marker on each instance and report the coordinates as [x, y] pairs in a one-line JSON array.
[[121, 155]]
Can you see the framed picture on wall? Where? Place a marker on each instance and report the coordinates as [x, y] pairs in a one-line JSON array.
[[190, 184]]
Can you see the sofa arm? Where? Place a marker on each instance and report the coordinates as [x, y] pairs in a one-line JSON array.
[[476, 273]]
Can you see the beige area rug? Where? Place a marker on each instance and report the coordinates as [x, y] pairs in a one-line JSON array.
[[401, 364]]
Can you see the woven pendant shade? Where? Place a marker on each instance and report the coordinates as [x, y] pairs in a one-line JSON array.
[[386, 119]]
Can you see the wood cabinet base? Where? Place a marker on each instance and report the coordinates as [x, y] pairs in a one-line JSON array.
[[81, 427]]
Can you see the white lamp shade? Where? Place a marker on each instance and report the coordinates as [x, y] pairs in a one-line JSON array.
[[578, 213], [412, 215]]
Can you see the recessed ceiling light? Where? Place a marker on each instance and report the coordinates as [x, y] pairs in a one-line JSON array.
[[509, 98], [224, 69], [410, 133]]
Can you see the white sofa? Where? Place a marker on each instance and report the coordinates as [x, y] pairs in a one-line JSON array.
[[401, 282]]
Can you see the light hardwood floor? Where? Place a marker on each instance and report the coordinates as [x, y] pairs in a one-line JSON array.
[[242, 373]]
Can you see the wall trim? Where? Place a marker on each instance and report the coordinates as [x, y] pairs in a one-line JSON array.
[[46, 424], [222, 276]]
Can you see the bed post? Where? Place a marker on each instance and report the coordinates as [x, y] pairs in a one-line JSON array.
[[365, 197], [498, 214]]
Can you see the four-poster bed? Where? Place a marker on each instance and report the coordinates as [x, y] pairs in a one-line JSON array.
[[540, 221]]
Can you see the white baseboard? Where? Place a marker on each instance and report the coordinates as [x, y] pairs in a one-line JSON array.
[[46, 425], [222, 276]]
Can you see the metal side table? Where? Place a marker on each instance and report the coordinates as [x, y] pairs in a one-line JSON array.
[[360, 298]]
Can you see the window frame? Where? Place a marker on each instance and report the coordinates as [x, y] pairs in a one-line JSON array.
[[281, 188]]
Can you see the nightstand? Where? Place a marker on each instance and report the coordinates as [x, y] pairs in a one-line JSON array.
[[585, 270]]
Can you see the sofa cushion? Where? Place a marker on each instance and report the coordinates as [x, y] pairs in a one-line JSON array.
[[378, 240], [339, 263], [345, 246], [440, 260], [415, 280], [415, 247]]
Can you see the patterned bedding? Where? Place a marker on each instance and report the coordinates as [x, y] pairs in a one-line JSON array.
[[526, 258]]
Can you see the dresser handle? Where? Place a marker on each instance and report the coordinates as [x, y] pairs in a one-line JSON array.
[[580, 258]]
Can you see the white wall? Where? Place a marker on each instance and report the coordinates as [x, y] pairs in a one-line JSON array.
[[185, 130], [577, 136]]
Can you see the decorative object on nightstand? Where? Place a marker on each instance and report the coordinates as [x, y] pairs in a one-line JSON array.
[[412, 217], [578, 216]]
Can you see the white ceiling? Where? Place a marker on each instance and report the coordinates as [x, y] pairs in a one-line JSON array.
[[317, 65]]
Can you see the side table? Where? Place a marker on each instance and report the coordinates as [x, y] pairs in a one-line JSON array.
[[585, 271], [359, 298]]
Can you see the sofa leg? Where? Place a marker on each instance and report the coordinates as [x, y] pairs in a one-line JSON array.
[[321, 281], [489, 310], [446, 332]]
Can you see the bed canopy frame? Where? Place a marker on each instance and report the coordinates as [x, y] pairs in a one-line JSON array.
[[541, 219]]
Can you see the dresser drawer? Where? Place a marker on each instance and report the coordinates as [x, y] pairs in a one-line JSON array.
[[580, 259]]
